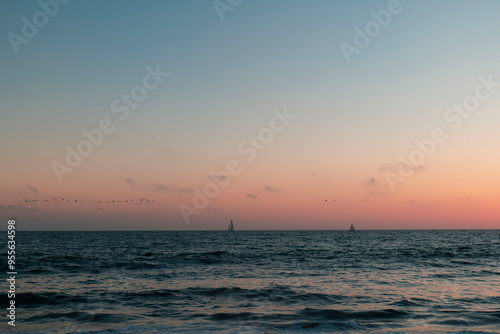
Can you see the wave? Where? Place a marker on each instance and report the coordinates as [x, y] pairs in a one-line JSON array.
[[30, 300], [80, 316], [405, 302], [471, 319]]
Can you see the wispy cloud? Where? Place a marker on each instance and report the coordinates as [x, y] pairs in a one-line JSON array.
[[218, 177], [370, 182], [252, 196], [131, 182], [17, 207], [316, 178], [174, 189], [270, 189], [33, 189]]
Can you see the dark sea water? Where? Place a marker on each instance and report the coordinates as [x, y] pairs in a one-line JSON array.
[[258, 282]]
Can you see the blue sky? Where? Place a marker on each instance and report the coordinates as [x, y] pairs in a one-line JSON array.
[[226, 77]]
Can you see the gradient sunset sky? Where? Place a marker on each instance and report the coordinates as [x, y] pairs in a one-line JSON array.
[[229, 74]]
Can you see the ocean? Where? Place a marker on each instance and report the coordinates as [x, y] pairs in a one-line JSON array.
[[257, 282]]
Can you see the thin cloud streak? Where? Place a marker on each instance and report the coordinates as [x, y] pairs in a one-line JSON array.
[[33, 189], [131, 182], [174, 189], [270, 189]]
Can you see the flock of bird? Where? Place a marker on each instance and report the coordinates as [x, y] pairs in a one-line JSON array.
[[143, 200]]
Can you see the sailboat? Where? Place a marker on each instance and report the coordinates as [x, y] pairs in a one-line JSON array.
[[231, 226], [352, 229]]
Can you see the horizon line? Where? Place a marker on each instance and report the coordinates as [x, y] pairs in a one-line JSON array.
[[224, 230]]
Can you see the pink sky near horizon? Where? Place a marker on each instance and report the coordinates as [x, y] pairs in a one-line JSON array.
[[428, 199]]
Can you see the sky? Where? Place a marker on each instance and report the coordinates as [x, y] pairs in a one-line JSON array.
[[279, 115]]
